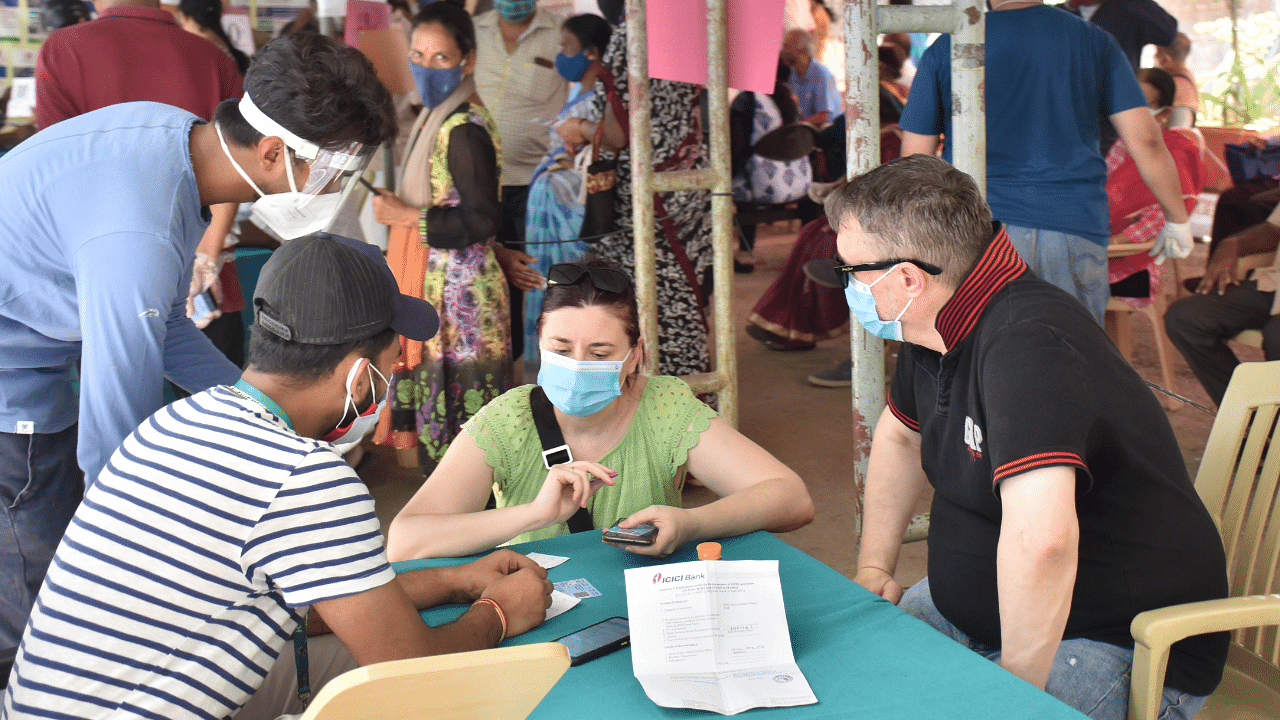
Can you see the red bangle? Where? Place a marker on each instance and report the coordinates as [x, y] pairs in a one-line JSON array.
[[502, 616]]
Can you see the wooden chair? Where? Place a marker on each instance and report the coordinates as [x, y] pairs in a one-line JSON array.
[[1238, 481], [1121, 331], [500, 684]]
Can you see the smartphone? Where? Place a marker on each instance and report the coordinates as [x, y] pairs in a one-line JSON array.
[[204, 304], [642, 534], [596, 640]]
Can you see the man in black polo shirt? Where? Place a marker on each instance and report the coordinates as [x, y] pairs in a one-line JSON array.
[[1061, 505]]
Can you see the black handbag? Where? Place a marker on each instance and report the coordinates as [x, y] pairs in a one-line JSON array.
[[1246, 162]]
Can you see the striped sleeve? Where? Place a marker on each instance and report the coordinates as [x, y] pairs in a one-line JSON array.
[[319, 539], [1035, 462]]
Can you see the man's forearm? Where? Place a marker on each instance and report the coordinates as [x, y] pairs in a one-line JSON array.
[[1036, 565], [895, 482], [1145, 143], [429, 587]]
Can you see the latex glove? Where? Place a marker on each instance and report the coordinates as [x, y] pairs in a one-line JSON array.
[[1174, 241]]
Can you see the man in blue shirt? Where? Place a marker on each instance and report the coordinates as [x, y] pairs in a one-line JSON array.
[[812, 82], [1050, 77], [100, 216]]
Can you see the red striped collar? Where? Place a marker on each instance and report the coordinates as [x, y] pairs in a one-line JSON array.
[[999, 264]]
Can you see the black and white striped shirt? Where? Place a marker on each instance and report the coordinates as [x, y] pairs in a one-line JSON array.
[[188, 565]]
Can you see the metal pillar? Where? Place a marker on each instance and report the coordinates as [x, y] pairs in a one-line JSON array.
[[863, 21], [723, 379]]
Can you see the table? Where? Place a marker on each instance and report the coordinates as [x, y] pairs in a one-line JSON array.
[[863, 656]]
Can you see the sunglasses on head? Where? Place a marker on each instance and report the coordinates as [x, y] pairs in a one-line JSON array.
[[606, 279], [846, 271]]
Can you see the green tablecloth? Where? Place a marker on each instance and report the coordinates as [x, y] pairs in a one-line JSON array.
[[863, 656]]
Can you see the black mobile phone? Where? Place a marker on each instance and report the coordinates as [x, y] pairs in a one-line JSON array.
[[642, 534], [596, 640]]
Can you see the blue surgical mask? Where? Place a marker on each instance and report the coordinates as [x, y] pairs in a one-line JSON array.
[[863, 305], [580, 387], [572, 67], [435, 84], [515, 11]]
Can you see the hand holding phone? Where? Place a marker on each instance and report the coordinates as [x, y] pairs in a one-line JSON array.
[[642, 534], [597, 640]]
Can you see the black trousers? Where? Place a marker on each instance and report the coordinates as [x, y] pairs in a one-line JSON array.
[[1200, 325], [511, 234]]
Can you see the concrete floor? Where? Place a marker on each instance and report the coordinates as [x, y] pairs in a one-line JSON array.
[[808, 428]]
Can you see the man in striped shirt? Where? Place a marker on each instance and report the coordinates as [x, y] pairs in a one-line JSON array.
[[226, 516]]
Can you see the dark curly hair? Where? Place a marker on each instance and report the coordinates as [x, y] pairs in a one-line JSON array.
[[318, 89]]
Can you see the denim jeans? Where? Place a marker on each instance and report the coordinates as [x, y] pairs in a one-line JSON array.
[[1073, 263], [40, 486], [1089, 675]]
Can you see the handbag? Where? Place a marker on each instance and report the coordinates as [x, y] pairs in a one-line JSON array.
[[1246, 162], [601, 181]]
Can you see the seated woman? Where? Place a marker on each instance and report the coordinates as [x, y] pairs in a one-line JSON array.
[[633, 438], [757, 180], [1135, 215]]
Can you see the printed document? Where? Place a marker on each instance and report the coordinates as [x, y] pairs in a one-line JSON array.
[[713, 635]]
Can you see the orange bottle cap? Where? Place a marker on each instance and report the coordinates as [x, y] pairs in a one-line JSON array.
[[709, 551]]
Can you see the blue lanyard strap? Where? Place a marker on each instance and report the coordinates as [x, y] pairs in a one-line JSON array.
[[300, 661], [261, 398]]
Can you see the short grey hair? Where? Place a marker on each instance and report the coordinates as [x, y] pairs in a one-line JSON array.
[[806, 40], [918, 207]]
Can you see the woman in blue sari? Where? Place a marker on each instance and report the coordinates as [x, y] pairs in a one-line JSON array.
[[555, 206]]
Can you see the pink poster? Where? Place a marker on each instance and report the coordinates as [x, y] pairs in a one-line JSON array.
[[363, 15], [678, 41]]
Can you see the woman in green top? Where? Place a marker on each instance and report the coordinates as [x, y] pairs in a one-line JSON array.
[[633, 438]]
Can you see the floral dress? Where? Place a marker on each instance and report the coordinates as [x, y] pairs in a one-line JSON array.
[[683, 266], [439, 384]]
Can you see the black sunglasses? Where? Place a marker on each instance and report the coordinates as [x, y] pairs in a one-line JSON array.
[[846, 271], [606, 279]]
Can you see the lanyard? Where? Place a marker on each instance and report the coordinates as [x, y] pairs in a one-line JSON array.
[[301, 663], [253, 393]]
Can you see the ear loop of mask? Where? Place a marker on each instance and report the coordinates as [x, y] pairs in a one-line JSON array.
[[904, 307], [235, 164], [288, 167]]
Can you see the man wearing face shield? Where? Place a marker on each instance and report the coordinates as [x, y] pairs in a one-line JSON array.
[[100, 216], [229, 516]]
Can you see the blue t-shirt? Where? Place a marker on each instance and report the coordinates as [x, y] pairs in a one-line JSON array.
[[817, 91], [1050, 77], [99, 221]]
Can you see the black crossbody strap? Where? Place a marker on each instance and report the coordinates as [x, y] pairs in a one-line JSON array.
[[555, 451]]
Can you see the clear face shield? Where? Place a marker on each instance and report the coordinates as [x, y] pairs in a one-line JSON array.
[[331, 174]]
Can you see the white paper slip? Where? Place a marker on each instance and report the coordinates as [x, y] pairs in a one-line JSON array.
[[560, 602], [546, 562], [713, 636]]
